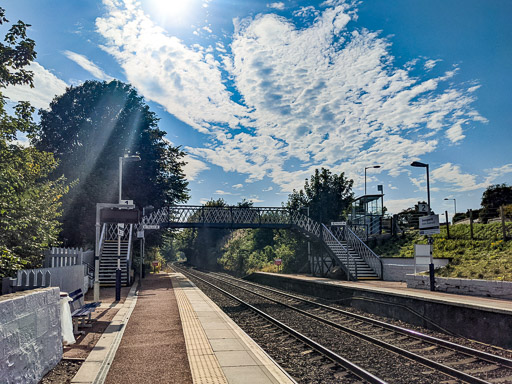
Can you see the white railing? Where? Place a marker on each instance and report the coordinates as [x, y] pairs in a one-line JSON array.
[[348, 263], [372, 259]]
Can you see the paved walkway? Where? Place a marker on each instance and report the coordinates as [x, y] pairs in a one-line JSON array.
[[171, 332], [152, 349]]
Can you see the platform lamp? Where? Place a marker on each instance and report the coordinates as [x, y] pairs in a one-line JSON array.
[[454, 204], [120, 230], [365, 168], [430, 240]]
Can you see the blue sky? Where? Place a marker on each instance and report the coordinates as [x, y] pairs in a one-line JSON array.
[[260, 93]]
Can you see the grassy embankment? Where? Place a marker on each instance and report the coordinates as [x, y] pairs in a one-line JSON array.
[[488, 256]]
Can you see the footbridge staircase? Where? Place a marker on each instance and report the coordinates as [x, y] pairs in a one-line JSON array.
[[342, 245]]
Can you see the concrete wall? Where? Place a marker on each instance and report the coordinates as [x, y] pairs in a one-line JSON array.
[[68, 279], [30, 335], [397, 268], [487, 325], [484, 288]]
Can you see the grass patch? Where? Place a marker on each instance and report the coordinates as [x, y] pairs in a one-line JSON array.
[[488, 256]]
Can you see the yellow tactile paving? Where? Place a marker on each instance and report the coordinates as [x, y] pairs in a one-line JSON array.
[[203, 363]]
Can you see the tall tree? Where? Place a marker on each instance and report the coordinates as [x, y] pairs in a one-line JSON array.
[[88, 129], [327, 195], [493, 198], [29, 203]]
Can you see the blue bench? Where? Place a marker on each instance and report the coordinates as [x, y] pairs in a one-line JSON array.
[[80, 310]]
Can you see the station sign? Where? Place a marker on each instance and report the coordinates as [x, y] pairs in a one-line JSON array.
[[429, 225], [338, 223], [278, 261], [152, 226], [422, 207]]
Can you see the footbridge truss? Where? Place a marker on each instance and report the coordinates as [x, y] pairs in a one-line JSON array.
[[343, 247]]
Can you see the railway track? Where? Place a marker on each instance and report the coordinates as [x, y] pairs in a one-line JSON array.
[[340, 368], [459, 362]]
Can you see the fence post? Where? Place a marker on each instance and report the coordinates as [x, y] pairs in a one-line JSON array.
[[471, 223], [447, 225], [503, 226]]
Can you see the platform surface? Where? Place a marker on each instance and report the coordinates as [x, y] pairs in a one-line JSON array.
[[142, 343], [218, 350], [400, 289]]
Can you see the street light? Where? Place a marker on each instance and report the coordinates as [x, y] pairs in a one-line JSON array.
[[423, 165], [365, 168], [120, 229], [454, 204], [125, 158], [430, 239]]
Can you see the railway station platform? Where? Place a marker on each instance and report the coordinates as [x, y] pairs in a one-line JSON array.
[[478, 318], [168, 331]]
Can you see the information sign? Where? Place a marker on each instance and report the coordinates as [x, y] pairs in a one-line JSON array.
[[338, 223], [278, 261], [429, 225], [140, 234], [152, 226], [155, 263]]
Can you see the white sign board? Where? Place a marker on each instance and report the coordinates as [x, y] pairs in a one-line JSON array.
[[338, 223], [140, 234], [422, 255], [429, 225], [126, 202], [148, 226]]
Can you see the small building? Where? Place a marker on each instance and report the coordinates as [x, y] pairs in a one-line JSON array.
[[367, 211]]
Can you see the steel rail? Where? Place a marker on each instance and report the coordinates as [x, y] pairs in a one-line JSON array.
[[420, 359], [348, 365], [407, 332]]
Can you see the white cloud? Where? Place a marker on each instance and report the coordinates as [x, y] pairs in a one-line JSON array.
[[495, 175], [194, 167], [319, 96], [46, 87], [278, 5], [454, 134], [429, 64], [88, 65], [268, 189], [238, 186], [396, 206], [224, 193], [452, 174]]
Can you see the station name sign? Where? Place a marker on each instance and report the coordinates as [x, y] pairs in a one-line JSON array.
[[429, 225]]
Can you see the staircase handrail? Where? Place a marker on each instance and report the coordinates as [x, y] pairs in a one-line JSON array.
[[370, 257], [327, 235], [102, 238], [129, 253]]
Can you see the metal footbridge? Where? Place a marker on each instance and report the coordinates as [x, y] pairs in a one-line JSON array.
[[343, 247]]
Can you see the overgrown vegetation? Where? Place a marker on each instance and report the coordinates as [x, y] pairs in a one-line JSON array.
[[488, 256]]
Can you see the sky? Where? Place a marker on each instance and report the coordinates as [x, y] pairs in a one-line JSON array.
[[260, 94]]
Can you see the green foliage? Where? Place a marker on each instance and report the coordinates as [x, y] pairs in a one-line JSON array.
[[89, 128], [493, 198], [29, 203], [488, 256], [327, 195]]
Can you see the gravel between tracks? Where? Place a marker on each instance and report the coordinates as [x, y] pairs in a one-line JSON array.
[[384, 364]]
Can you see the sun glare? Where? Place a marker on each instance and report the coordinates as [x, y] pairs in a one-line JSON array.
[[172, 9]]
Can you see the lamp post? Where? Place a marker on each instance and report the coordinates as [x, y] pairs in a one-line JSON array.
[[120, 226], [454, 205], [430, 239], [365, 168], [423, 165]]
